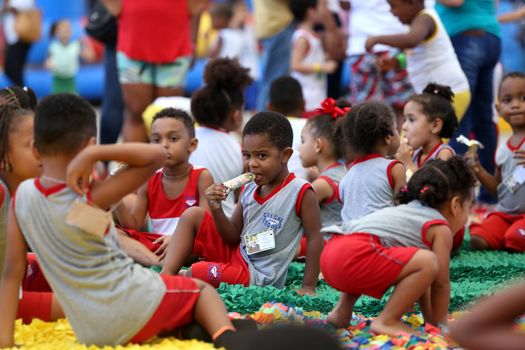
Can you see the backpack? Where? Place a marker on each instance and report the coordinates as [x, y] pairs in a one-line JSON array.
[[101, 25]]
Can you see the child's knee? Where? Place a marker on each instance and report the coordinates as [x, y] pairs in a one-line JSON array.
[[515, 240], [193, 215], [201, 284], [426, 262], [478, 243]]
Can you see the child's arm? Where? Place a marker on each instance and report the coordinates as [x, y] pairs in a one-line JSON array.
[[205, 181], [404, 155], [487, 180], [297, 64], [421, 28], [229, 229], [15, 266], [440, 237], [399, 175], [142, 160], [311, 220], [445, 154], [322, 189], [134, 218], [490, 324]]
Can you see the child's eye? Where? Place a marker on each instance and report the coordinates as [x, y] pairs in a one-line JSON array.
[[522, 98], [173, 139], [262, 156], [246, 156], [154, 140]]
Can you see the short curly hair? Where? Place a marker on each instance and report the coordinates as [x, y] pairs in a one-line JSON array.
[[275, 125]]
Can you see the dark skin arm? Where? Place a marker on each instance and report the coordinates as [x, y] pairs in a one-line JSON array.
[[229, 229], [420, 29]]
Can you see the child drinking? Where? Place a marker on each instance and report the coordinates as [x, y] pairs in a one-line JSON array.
[[407, 246], [372, 179], [258, 244], [218, 108], [429, 118], [430, 55], [503, 228], [173, 189], [308, 63], [58, 216]]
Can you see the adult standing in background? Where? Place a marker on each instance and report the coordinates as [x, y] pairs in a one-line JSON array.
[[16, 50], [475, 34], [274, 28], [155, 47]]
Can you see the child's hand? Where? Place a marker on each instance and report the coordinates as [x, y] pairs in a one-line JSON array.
[[404, 153], [79, 172], [215, 194], [370, 43], [386, 63], [306, 291], [164, 241], [473, 161], [520, 156], [329, 66]]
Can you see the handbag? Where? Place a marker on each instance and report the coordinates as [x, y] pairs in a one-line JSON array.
[[101, 25], [28, 25]]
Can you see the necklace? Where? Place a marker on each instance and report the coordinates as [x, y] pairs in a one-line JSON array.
[[174, 177], [52, 179]]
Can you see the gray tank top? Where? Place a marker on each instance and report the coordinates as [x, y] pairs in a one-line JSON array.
[[368, 186], [5, 198], [401, 226], [279, 211], [106, 297], [508, 202], [331, 207], [416, 157]]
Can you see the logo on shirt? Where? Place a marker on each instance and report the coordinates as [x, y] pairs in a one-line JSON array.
[[522, 232], [214, 272], [272, 221], [190, 201]]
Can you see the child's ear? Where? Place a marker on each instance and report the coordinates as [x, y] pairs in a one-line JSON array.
[[497, 106], [194, 142], [437, 125], [286, 154], [319, 144], [91, 141], [34, 150], [456, 205]]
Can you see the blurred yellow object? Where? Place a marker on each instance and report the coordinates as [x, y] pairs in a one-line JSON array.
[[59, 335], [206, 36], [503, 126]]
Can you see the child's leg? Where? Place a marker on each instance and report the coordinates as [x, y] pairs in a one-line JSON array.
[[341, 315], [515, 236], [181, 243], [41, 305], [489, 234], [414, 279], [136, 250]]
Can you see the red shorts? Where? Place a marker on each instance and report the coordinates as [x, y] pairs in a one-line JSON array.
[[147, 239], [502, 231], [224, 262], [359, 264], [174, 311], [34, 279], [304, 243], [35, 305]]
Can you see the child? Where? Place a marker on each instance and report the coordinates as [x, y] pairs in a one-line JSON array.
[[491, 323], [17, 164], [64, 55], [308, 63], [372, 180], [101, 290], [218, 108], [407, 246], [286, 98], [430, 55], [272, 212], [173, 189], [503, 228]]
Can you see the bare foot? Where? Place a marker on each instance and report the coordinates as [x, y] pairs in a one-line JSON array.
[[339, 318], [391, 329]]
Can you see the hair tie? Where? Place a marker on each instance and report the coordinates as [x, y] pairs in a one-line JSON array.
[[424, 189], [328, 107]]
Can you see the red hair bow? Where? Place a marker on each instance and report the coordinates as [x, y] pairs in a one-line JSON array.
[[328, 107]]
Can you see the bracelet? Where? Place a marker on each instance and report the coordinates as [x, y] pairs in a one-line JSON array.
[[317, 67], [402, 60]]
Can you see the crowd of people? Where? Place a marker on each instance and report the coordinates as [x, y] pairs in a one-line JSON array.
[[366, 190]]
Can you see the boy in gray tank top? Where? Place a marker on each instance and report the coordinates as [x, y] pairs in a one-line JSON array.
[[258, 244], [107, 298]]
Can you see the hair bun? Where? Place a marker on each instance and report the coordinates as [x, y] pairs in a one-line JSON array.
[[227, 74], [439, 90]]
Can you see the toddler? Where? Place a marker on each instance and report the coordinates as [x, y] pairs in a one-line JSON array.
[[407, 246], [258, 243], [503, 228]]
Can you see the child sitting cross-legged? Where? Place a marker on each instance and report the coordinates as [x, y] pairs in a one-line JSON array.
[[272, 212], [107, 298], [167, 194], [407, 246]]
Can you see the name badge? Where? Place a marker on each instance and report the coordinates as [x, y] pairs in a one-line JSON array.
[[87, 218], [516, 179], [259, 242]]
